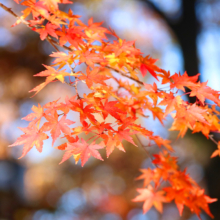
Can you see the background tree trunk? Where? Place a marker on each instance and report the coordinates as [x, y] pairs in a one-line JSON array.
[[185, 29]]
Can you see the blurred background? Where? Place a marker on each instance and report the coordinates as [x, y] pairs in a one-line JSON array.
[[183, 35]]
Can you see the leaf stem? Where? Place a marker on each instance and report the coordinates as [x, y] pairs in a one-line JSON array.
[[148, 154]]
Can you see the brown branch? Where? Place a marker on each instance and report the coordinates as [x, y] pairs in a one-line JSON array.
[[52, 43], [9, 10], [212, 139], [15, 15], [124, 74]]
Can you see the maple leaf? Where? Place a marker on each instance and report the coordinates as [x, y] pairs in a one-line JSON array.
[[216, 152], [148, 65], [202, 92], [84, 128], [36, 8], [200, 201], [101, 127], [110, 108], [94, 32], [62, 58], [194, 113], [147, 175], [157, 112], [191, 114], [36, 116], [51, 107], [49, 29], [165, 160], [94, 76], [150, 198], [112, 141], [165, 75], [160, 141], [64, 107], [84, 149], [84, 112], [172, 103], [180, 82], [57, 126], [90, 58], [178, 195], [53, 4], [70, 140], [72, 35], [125, 134], [51, 75], [123, 46], [144, 68], [32, 137], [179, 124]]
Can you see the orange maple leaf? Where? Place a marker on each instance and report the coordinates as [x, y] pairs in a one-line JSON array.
[[57, 126], [202, 92], [172, 102], [150, 198], [216, 152], [181, 81], [84, 149], [94, 76]]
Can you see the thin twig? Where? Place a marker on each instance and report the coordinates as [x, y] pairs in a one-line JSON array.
[[124, 74], [75, 86], [148, 154], [213, 140], [52, 43], [12, 13]]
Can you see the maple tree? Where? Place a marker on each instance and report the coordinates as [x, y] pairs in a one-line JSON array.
[[90, 45]]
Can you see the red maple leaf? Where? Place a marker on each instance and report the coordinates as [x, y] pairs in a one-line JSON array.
[[110, 108], [49, 29], [84, 112], [72, 35], [148, 65], [144, 68]]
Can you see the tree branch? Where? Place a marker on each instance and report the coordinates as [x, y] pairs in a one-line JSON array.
[[54, 42]]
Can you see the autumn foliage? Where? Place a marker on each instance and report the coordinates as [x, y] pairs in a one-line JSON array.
[[119, 61]]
